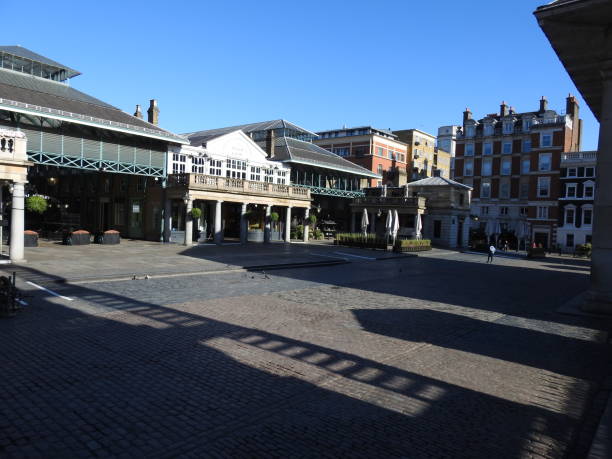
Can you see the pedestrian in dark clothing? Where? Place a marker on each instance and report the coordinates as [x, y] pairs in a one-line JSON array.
[[491, 253]]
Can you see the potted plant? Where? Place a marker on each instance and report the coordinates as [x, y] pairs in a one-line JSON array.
[[79, 237], [30, 238], [274, 231], [108, 237], [36, 203]]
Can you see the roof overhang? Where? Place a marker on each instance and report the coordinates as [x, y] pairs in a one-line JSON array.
[[52, 113], [576, 30], [365, 172]]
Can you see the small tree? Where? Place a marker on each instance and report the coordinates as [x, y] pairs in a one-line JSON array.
[[196, 213], [312, 219], [36, 203]]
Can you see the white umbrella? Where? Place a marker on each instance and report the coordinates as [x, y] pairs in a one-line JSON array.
[[364, 221], [389, 223], [396, 224], [418, 226]]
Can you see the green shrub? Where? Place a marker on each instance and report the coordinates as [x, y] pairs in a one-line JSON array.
[[584, 250], [274, 217], [412, 245], [299, 232], [36, 204], [361, 240], [312, 219], [317, 234], [196, 213]]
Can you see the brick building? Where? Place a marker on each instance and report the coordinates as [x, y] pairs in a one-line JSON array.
[[377, 150], [424, 158], [512, 161]]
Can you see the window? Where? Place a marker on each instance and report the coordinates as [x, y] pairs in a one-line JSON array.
[[215, 167], [379, 169], [571, 172], [178, 163], [485, 190], [489, 129], [507, 148], [543, 187], [588, 189], [542, 212], [198, 165], [508, 127], [570, 191], [524, 211], [570, 215], [235, 168], [437, 228], [545, 139], [269, 175], [587, 216], [390, 154], [503, 211], [281, 177], [379, 151], [468, 167], [524, 190], [470, 131], [486, 166], [526, 146], [544, 161], [569, 240], [589, 172], [341, 151], [256, 173], [525, 166], [484, 210], [504, 190], [526, 125], [469, 149], [506, 166], [487, 148]]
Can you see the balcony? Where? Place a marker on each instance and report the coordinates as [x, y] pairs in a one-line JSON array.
[[202, 182], [579, 156], [543, 122]]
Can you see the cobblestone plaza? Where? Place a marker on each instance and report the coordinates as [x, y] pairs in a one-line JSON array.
[[439, 355]]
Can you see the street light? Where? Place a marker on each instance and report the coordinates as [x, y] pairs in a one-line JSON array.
[[186, 198]]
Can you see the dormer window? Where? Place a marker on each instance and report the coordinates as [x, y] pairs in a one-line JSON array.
[[508, 127], [470, 131], [526, 125], [489, 129]]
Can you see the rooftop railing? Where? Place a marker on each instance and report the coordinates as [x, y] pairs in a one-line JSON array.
[[405, 201], [235, 185], [579, 156]]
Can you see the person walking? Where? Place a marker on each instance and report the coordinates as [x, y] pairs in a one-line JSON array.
[[491, 253]]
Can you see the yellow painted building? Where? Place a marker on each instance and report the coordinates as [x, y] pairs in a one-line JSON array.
[[424, 158]]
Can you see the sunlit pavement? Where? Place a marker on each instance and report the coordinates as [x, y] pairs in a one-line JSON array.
[[440, 355]]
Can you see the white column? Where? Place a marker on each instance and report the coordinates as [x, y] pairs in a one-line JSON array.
[[599, 296], [267, 224], [218, 237], [188, 222], [167, 219], [306, 226], [243, 224], [288, 224], [17, 222]]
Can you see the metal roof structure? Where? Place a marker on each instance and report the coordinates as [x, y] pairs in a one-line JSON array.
[[25, 53], [195, 137], [287, 149], [439, 181], [31, 95]]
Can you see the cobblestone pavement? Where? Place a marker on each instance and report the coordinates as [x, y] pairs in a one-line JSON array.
[[435, 356]]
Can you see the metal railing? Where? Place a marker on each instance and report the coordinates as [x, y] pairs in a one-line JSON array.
[[579, 156], [417, 201], [235, 185]]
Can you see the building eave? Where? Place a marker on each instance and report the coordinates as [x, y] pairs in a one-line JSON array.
[[336, 168]]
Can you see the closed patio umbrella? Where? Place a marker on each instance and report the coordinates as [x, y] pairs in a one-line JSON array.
[[364, 221], [389, 223], [396, 224], [418, 226]]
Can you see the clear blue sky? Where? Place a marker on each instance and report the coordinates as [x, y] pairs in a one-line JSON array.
[[320, 64]]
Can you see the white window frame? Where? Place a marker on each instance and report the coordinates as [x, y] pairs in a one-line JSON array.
[[542, 213], [490, 149], [526, 161], [489, 129], [589, 184], [526, 125], [569, 186], [575, 174], [482, 188], [587, 168], [507, 161], [566, 211], [470, 131], [525, 143], [507, 151], [471, 168], [504, 185], [544, 135], [587, 208], [540, 157], [508, 127], [541, 182], [484, 210], [469, 151]]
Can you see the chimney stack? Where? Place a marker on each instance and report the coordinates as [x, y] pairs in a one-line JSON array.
[[153, 112], [543, 104], [503, 109], [467, 115], [270, 138], [571, 106], [138, 112]]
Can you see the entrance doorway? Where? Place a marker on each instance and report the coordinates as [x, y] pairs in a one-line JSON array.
[[136, 210], [541, 239]]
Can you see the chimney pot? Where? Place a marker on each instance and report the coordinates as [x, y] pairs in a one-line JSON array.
[[543, 104], [503, 109], [138, 112]]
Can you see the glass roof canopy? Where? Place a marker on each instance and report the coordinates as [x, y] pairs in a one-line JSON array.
[[25, 61]]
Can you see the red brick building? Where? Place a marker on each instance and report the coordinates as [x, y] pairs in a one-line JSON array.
[[512, 160]]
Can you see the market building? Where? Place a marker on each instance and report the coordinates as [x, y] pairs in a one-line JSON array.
[[578, 31], [99, 167], [328, 180]]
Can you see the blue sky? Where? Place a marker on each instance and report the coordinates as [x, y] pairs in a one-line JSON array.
[[320, 64]]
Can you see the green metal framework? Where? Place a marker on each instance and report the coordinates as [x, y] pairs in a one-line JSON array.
[[331, 191], [58, 149]]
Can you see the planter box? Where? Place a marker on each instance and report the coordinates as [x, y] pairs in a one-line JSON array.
[[30, 239], [77, 238], [108, 238], [422, 248], [536, 253]]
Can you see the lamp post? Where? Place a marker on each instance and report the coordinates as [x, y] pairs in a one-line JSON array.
[[188, 200]]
